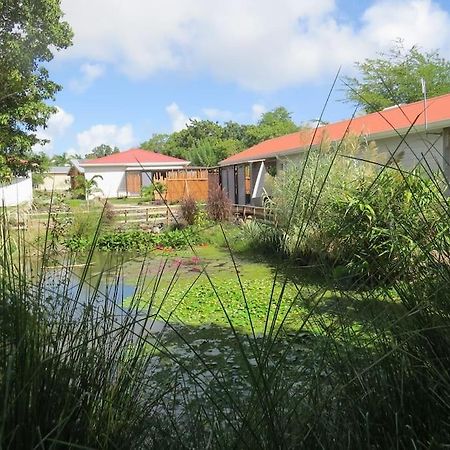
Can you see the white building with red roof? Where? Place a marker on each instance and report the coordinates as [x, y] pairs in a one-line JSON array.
[[124, 174], [414, 134]]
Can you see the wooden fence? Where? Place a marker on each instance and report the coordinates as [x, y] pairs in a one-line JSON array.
[[150, 215], [180, 184]]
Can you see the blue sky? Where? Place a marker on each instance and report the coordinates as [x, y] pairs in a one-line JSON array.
[[146, 66]]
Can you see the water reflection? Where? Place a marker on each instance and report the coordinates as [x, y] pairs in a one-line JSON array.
[[72, 286]]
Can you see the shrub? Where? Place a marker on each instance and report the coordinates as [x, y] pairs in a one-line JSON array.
[[189, 210], [141, 240], [341, 211], [218, 206], [153, 191]]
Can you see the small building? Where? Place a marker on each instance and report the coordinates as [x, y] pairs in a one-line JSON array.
[[56, 179], [18, 192], [413, 134], [124, 174]]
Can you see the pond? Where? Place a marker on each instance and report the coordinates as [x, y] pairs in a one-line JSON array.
[[208, 311]]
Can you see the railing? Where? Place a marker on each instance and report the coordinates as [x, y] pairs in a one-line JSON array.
[[258, 212], [151, 215]]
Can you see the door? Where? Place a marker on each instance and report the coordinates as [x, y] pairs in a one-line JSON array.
[[134, 183]]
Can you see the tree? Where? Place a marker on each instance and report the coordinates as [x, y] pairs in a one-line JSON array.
[[274, 123], [157, 143], [205, 143], [395, 77], [102, 150], [209, 151], [61, 160], [30, 31]]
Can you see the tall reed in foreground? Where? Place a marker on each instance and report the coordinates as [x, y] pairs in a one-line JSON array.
[[352, 359], [73, 362]]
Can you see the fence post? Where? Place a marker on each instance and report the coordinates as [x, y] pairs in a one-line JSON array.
[[125, 213], [146, 217]]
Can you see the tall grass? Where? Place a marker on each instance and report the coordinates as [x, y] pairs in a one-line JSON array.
[[73, 362], [366, 364]]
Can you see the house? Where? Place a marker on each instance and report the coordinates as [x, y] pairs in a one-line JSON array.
[[19, 191], [412, 134], [124, 174], [56, 178]]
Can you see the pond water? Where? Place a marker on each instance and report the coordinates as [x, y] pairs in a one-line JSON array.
[[186, 317]]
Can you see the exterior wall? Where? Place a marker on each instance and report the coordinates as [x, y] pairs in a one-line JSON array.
[[283, 160], [227, 181], [112, 184], [424, 149], [415, 150], [241, 185], [20, 190], [57, 182]]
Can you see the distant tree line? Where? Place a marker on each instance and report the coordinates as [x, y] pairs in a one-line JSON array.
[[205, 143]]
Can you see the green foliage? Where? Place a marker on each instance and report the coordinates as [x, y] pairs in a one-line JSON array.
[[143, 241], [84, 188], [153, 191], [71, 372], [157, 143], [395, 77], [205, 143], [271, 124], [62, 160], [30, 31], [209, 151], [352, 217], [102, 150]]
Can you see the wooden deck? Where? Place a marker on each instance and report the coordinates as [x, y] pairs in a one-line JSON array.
[[258, 212]]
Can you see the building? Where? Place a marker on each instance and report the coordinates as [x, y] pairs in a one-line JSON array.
[[415, 133], [124, 174], [56, 179]]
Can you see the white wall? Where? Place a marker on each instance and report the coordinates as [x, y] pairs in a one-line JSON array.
[[416, 149], [20, 190], [55, 182], [112, 183]]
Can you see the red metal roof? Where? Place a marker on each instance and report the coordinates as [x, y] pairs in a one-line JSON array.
[[135, 156], [398, 118]]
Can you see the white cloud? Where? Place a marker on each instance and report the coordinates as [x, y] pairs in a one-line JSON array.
[[216, 114], [257, 111], [57, 125], [178, 118], [89, 73], [420, 22], [260, 44], [113, 135]]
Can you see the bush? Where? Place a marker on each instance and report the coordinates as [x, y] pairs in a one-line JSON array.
[[141, 240], [189, 210], [340, 211], [153, 191], [218, 206]]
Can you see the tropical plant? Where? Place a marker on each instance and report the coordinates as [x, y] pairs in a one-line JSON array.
[[153, 191]]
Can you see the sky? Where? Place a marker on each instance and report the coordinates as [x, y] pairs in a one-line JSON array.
[[139, 67]]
